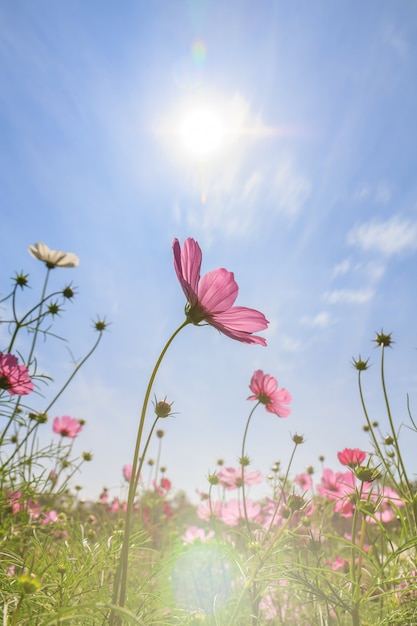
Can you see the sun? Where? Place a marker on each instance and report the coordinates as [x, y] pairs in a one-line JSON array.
[[202, 132]]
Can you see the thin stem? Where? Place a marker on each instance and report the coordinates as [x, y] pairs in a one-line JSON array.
[[371, 430], [123, 564], [243, 469], [76, 369], [282, 494], [29, 359], [391, 423]]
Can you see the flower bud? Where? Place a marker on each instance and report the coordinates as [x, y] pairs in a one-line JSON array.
[[68, 292], [54, 308], [29, 583], [383, 340], [213, 479], [42, 418], [298, 439], [100, 325], [21, 279], [366, 474], [163, 408], [360, 365]]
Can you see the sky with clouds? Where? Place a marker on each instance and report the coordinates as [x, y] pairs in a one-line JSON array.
[[311, 200]]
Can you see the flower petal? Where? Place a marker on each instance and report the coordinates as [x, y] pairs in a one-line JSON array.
[[187, 264], [217, 291], [239, 323], [55, 258]]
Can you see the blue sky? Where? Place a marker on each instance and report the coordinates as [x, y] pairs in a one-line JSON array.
[[311, 202]]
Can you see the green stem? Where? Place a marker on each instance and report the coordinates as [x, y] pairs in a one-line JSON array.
[[29, 359], [243, 470], [282, 494], [76, 369], [371, 430], [394, 434], [123, 563]]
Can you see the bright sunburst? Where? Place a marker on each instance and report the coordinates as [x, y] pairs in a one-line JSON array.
[[202, 132]]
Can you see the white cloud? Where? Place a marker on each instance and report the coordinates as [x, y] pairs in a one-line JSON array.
[[375, 271], [342, 268], [379, 193], [290, 188], [389, 237], [289, 344], [354, 296], [321, 320]]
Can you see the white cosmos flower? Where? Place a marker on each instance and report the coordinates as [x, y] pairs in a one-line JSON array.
[[53, 258]]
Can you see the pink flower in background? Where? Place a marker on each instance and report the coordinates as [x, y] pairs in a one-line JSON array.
[[163, 487], [127, 472], [193, 533], [115, 506], [232, 512], [205, 510], [339, 564], [66, 426], [104, 496], [335, 485], [231, 478], [51, 517], [386, 501], [14, 500], [14, 378], [265, 390], [351, 457], [211, 299], [304, 481]]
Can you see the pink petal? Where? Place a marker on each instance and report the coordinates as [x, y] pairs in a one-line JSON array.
[[187, 264], [239, 323], [217, 291]]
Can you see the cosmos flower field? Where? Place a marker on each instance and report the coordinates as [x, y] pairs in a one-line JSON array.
[[335, 547]]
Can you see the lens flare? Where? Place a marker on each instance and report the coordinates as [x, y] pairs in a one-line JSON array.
[[202, 132]]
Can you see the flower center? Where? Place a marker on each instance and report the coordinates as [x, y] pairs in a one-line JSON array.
[[196, 313], [4, 382], [264, 398]]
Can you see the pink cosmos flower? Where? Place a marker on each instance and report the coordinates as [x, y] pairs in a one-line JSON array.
[[304, 481], [66, 426], [14, 378], [336, 485], [339, 564], [50, 517], [231, 478], [163, 487], [194, 533], [265, 389], [232, 512], [206, 509], [14, 500], [386, 501], [351, 457], [127, 472], [211, 299]]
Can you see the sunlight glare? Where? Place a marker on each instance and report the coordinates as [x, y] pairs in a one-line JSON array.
[[202, 132]]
